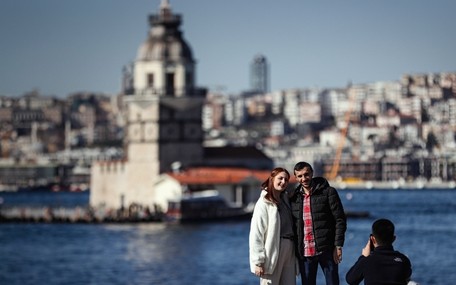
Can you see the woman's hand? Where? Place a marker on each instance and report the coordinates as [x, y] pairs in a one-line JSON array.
[[337, 254], [259, 270]]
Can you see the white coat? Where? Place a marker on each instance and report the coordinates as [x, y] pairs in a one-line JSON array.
[[264, 238]]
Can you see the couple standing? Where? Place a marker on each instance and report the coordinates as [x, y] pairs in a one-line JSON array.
[[310, 221]]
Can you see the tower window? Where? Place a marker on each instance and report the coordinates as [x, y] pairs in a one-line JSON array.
[[189, 80], [150, 80], [170, 83]]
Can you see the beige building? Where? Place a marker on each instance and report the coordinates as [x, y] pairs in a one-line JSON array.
[[163, 119]]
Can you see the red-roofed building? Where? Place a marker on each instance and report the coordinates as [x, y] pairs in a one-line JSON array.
[[239, 187]]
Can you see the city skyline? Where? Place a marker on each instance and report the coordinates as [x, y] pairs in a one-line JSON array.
[[63, 47]]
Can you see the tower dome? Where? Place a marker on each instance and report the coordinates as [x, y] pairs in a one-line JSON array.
[[165, 41], [164, 62]]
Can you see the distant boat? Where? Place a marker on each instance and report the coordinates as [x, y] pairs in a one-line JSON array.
[[203, 206], [357, 214]]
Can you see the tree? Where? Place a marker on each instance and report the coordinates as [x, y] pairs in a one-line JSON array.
[[431, 142]]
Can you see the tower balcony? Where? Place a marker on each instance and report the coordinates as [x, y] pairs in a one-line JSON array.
[[169, 92], [165, 19]]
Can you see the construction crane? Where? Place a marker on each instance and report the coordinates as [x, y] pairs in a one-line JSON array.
[[343, 136]]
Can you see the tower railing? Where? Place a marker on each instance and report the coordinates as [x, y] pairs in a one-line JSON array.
[[170, 92]]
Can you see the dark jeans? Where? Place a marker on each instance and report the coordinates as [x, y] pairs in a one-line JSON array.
[[309, 266]]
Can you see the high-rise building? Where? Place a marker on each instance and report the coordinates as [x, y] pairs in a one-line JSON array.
[[259, 74]]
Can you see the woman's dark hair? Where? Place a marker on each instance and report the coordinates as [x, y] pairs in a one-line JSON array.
[[268, 184]]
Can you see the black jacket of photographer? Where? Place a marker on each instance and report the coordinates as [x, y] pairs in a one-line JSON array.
[[328, 216], [383, 266]]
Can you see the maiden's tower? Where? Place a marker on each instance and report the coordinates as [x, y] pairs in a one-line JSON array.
[[162, 115]]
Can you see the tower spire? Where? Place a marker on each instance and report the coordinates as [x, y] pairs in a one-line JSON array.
[[164, 3], [165, 8]]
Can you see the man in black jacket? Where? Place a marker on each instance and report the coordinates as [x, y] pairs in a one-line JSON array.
[[319, 224], [383, 265]]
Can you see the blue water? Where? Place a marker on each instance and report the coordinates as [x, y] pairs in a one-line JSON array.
[[214, 253]]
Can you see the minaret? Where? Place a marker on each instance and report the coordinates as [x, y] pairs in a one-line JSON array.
[[164, 107]]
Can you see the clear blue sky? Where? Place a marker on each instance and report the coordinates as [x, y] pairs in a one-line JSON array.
[[64, 46]]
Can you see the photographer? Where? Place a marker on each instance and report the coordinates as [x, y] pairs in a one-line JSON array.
[[379, 262]]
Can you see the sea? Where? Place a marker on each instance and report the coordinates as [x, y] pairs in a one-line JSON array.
[[211, 253]]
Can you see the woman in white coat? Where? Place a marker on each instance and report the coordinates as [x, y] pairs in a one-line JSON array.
[[271, 245]]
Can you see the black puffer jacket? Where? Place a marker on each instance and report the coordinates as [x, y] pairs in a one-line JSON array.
[[328, 216]]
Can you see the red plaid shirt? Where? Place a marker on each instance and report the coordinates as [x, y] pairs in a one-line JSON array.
[[309, 241]]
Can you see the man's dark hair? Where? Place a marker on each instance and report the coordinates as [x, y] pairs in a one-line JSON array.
[[301, 165], [383, 231]]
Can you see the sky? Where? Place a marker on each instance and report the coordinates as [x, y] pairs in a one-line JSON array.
[[60, 47]]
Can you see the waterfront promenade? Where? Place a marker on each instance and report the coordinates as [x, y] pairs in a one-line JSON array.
[[399, 184]]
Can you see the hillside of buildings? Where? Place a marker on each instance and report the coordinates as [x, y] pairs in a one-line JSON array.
[[401, 131]]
